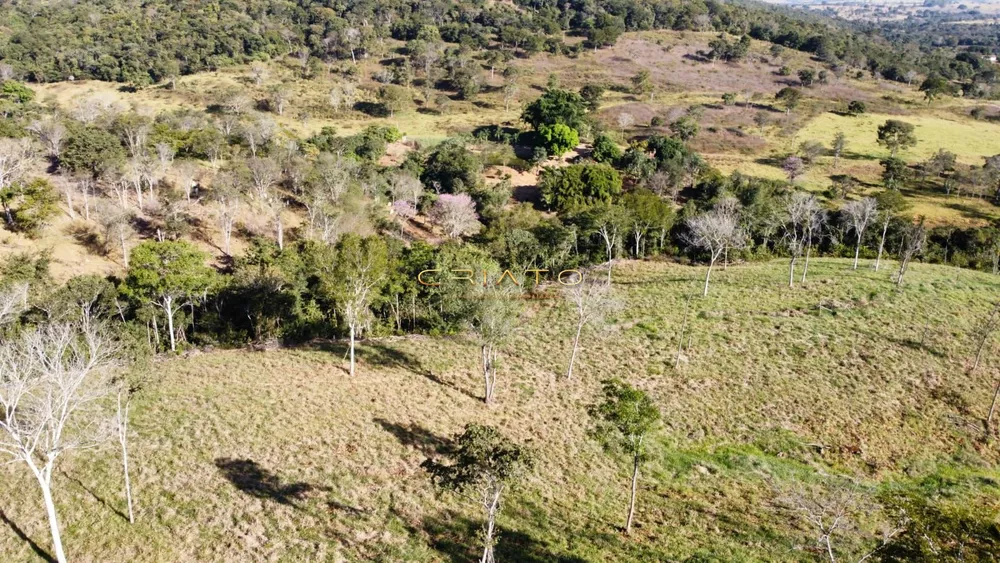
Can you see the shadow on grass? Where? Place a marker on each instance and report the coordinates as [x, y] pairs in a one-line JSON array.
[[456, 538], [256, 481], [96, 497], [970, 211], [415, 436], [384, 355], [24, 537]]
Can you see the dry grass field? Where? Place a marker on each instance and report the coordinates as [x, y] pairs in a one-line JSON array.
[[281, 456]]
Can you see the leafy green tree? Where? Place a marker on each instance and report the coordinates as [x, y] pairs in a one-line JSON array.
[[684, 128], [605, 150], [28, 206], [494, 317], [484, 464], [360, 268], [789, 97], [16, 92], [559, 138], [807, 76], [592, 95], [642, 84], [168, 275], [91, 150], [650, 215], [935, 86], [555, 106], [895, 134], [895, 173], [624, 419], [578, 185], [394, 98], [452, 168], [856, 108], [605, 30]]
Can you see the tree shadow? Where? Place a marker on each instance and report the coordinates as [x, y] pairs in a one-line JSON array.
[[250, 478], [969, 211], [380, 354], [24, 537], [415, 436], [95, 496], [455, 537]]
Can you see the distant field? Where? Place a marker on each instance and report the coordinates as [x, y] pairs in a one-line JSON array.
[[280, 456]]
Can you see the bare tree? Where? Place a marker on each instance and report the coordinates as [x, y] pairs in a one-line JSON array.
[[257, 133], [625, 120], [52, 380], [6, 72], [813, 230], [118, 229], [715, 232], [828, 510], [264, 174], [860, 214], [456, 213], [279, 96], [405, 187], [591, 301], [914, 237], [51, 133], [226, 193], [126, 387], [13, 302], [494, 322], [259, 73], [361, 266], [800, 210]]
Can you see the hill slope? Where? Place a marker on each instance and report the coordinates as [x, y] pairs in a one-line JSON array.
[[781, 391]]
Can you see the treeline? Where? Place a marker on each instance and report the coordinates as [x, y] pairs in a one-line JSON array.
[[155, 41]]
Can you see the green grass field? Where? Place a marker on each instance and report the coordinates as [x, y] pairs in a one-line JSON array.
[[280, 456]]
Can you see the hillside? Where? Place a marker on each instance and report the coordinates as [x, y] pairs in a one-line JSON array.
[[281, 456]]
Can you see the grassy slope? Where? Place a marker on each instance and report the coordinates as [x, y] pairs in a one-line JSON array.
[[837, 362]]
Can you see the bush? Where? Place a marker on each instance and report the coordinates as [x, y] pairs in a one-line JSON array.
[[606, 150], [559, 138], [579, 185]]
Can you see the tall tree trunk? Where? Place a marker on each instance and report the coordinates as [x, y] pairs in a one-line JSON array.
[[631, 500], [488, 391], [993, 406], [576, 346], [708, 276], [123, 440], [791, 271], [881, 245], [169, 310], [491, 518], [44, 477], [805, 265], [352, 349], [857, 252]]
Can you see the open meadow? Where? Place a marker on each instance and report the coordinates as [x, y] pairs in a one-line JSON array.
[[843, 381]]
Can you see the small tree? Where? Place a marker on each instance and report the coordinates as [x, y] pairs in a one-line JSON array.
[[456, 213], [794, 167], [895, 134], [839, 143], [642, 84], [715, 232], [914, 238], [493, 323], [393, 98], [890, 203], [360, 268], [800, 213], [624, 418], [52, 380], [856, 108], [859, 215], [483, 464], [168, 275], [789, 97], [591, 301]]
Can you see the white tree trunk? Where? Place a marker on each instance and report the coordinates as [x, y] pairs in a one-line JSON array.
[[352, 349], [631, 500], [805, 266], [44, 477], [857, 252], [576, 346], [708, 276], [791, 271], [123, 440], [168, 308], [881, 245]]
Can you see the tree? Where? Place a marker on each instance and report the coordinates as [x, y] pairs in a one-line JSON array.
[[91, 150], [257, 133], [895, 134], [859, 215], [168, 275], [591, 301], [592, 94], [52, 379], [559, 138], [360, 268], [394, 98], [605, 150], [16, 158], [555, 106], [624, 418], [807, 76], [51, 133], [642, 84], [684, 128], [456, 213], [13, 302], [483, 462], [839, 143], [790, 97], [811, 150], [889, 203], [935, 86], [794, 167], [229, 201], [578, 185], [800, 211], [856, 108], [493, 322], [278, 95], [895, 172], [914, 238], [28, 206], [715, 232]]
